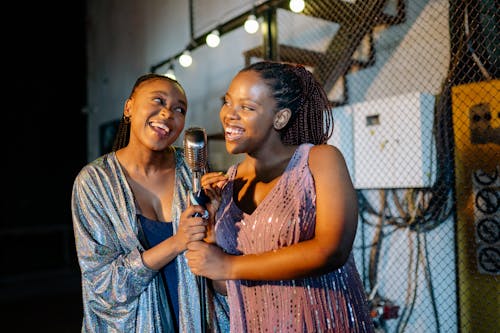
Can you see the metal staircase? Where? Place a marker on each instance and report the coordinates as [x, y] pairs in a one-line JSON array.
[[339, 58]]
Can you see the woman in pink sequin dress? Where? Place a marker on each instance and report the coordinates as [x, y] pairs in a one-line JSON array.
[[288, 211]]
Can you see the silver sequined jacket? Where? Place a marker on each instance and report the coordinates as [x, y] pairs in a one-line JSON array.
[[121, 294]]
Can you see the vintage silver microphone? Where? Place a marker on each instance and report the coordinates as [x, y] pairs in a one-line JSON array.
[[195, 155]]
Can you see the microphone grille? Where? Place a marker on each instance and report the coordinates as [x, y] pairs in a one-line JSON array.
[[195, 148]]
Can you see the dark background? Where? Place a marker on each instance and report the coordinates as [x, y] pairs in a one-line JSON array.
[[44, 146]]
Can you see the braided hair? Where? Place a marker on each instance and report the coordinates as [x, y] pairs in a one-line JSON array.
[[122, 136], [294, 87]]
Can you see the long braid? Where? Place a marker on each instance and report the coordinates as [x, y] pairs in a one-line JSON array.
[[122, 136], [294, 87]]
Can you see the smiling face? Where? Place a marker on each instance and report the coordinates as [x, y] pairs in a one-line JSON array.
[[157, 111], [248, 113]]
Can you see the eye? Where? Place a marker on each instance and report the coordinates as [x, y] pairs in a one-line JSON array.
[[180, 109], [159, 100], [163, 102], [247, 108]]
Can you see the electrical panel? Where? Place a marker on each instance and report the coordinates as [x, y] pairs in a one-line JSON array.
[[476, 128], [394, 143], [342, 137], [486, 195]]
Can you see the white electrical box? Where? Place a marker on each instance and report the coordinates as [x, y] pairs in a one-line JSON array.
[[342, 137], [394, 142]]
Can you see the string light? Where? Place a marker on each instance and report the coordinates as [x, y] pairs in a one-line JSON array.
[[297, 6], [213, 38], [170, 72], [251, 24], [185, 59]]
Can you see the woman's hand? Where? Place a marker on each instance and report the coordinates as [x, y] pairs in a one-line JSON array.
[[208, 260], [212, 184], [191, 228]]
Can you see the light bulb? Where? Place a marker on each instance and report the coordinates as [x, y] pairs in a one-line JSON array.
[[297, 6], [251, 24], [170, 73], [213, 38], [185, 59]]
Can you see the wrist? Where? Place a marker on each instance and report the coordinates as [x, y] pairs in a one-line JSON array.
[[231, 266], [179, 245]]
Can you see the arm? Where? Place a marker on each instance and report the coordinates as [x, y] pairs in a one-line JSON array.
[[190, 229], [108, 252], [111, 258], [336, 223]]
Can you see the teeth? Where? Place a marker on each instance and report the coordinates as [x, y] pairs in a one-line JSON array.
[[234, 130], [160, 125], [234, 133]]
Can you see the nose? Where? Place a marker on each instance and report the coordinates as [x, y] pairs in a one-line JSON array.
[[229, 111], [166, 111]]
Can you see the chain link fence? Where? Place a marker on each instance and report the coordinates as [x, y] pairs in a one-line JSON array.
[[415, 90]]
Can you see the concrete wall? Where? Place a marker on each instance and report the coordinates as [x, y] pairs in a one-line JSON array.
[[126, 38]]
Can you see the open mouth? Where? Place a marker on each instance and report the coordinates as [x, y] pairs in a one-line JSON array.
[[233, 133], [160, 128]]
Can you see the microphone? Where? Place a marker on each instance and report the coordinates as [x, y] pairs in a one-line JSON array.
[[195, 155]]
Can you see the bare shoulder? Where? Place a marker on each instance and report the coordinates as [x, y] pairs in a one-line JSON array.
[[325, 155], [328, 167], [325, 148]]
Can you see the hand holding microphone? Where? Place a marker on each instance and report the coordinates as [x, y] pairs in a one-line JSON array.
[[195, 155]]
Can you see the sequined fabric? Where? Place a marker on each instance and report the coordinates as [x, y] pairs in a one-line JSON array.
[[120, 294], [334, 302]]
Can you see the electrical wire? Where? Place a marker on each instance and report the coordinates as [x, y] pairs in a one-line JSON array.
[[377, 240], [411, 293], [421, 210], [430, 287], [475, 57], [410, 204]]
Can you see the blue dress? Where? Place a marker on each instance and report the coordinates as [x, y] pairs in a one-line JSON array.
[[156, 232]]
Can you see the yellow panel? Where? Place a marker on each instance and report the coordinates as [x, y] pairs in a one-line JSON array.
[[476, 126]]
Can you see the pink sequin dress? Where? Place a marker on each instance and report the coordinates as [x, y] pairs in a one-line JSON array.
[[333, 302]]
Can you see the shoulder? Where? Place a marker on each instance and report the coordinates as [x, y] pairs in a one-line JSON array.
[[324, 151], [96, 164], [98, 169], [325, 156]]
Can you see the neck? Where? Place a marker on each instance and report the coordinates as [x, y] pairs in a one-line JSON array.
[[146, 162], [268, 165]]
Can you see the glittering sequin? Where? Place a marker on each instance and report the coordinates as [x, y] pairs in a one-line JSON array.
[[334, 302]]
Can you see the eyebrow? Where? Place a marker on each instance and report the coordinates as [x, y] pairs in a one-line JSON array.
[[161, 92]]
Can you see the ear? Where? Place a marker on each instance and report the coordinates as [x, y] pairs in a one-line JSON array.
[[281, 118], [126, 108]]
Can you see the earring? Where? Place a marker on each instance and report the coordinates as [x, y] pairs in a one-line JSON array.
[[278, 123], [280, 120], [126, 119]]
